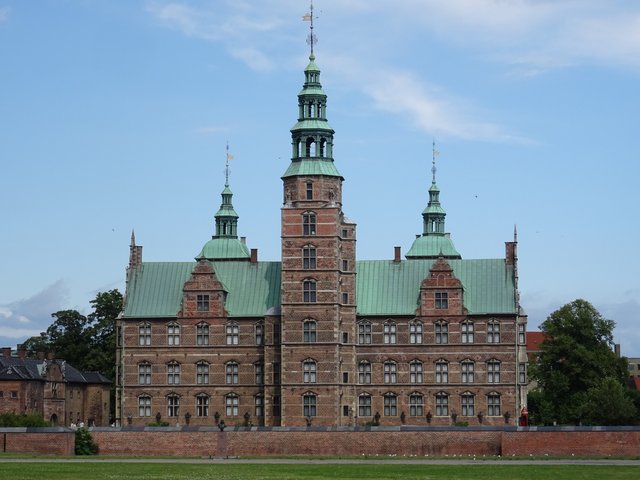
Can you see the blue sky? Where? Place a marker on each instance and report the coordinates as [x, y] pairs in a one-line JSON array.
[[114, 116]]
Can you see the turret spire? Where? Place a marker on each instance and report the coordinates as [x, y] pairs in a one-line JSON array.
[[311, 39]]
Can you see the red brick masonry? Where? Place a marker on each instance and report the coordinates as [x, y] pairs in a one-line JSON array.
[[207, 441]]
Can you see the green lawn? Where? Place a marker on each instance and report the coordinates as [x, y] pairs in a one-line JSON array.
[[172, 471]]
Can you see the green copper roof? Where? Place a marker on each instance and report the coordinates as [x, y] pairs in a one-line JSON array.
[[383, 287], [388, 288], [312, 90], [312, 167], [224, 248], [432, 246], [312, 124], [155, 288]]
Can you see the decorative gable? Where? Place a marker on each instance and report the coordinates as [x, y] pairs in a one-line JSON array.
[[441, 293]]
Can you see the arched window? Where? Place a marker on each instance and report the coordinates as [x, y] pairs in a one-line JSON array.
[[309, 257], [202, 373], [467, 371], [442, 371], [173, 334], [202, 334], [364, 405], [415, 331], [173, 373], [442, 332], [231, 402], [309, 291], [309, 330], [231, 369], [415, 371], [144, 334], [144, 373], [416, 404], [467, 404], [173, 405], [390, 335], [144, 406], [390, 404], [466, 331], [309, 367], [364, 372], [233, 333], [309, 223]]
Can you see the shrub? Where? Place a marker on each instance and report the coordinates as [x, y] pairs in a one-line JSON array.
[[22, 420], [84, 443]]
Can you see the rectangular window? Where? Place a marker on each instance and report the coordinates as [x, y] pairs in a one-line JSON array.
[[390, 333], [233, 334], [309, 291], [442, 372], [345, 298], [1, 394], [309, 405], [309, 258], [466, 332], [345, 337], [345, 233], [364, 406], [309, 372], [259, 333], [493, 405], [309, 331], [144, 374], [467, 404], [415, 332], [276, 373], [144, 335], [364, 372], [416, 405], [415, 372], [309, 224], [390, 405], [345, 377], [493, 372], [345, 410], [173, 406], [14, 394], [231, 373], [442, 405], [173, 334], [345, 265], [309, 191], [173, 374], [522, 339], [144, 406], [364, 333], [442, 300], [467, 372], [232, 402], [259, 371], [390, 372], [522, 373], [202, 406], [276, 334], [493, 332], [202, 303], [442, 332], [276, 406], [202, 334], [202, 373], [259, 406]]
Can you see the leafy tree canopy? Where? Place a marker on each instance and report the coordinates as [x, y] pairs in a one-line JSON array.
[[576, 361]]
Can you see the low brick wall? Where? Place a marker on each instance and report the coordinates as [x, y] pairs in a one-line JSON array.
[[596, 441], [46, 441]]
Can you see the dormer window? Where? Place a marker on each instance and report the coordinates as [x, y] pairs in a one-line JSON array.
[[442, 300], [202, 303]]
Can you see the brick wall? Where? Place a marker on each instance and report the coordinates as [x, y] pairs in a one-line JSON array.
[[49, 441]]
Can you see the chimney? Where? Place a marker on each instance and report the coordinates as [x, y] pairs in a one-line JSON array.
[[22, 352], [40, 355], [510, 252], [51, 355], [6, 352], [396, 254], [254, 255], [616, 349]]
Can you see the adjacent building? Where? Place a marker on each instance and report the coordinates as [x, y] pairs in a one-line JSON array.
[[319, 337]]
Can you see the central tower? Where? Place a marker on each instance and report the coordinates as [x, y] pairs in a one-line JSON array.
[[318, 272]]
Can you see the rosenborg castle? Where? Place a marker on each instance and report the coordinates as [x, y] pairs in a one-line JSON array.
[[320, 338]]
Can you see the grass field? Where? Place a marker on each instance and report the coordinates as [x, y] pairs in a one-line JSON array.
[[175, 471]]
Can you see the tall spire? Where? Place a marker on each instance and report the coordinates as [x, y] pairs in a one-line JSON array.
[[312, 136], [433, 242]]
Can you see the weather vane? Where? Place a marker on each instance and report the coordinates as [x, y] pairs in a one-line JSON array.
[[435, 153], [308, 17], [226, 167]]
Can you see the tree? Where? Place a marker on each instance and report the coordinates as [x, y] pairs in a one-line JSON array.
[[609, 404], [102, 331], [69, 338], [574, 361]]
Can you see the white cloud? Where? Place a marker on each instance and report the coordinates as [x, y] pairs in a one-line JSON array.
[[4, 14]]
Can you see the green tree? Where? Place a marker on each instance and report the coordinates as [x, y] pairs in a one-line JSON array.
[[102, 331], [575, 357], [69, 337], [608, 403]]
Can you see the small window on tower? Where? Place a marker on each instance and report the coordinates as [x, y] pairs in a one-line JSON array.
[[309, 191]]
